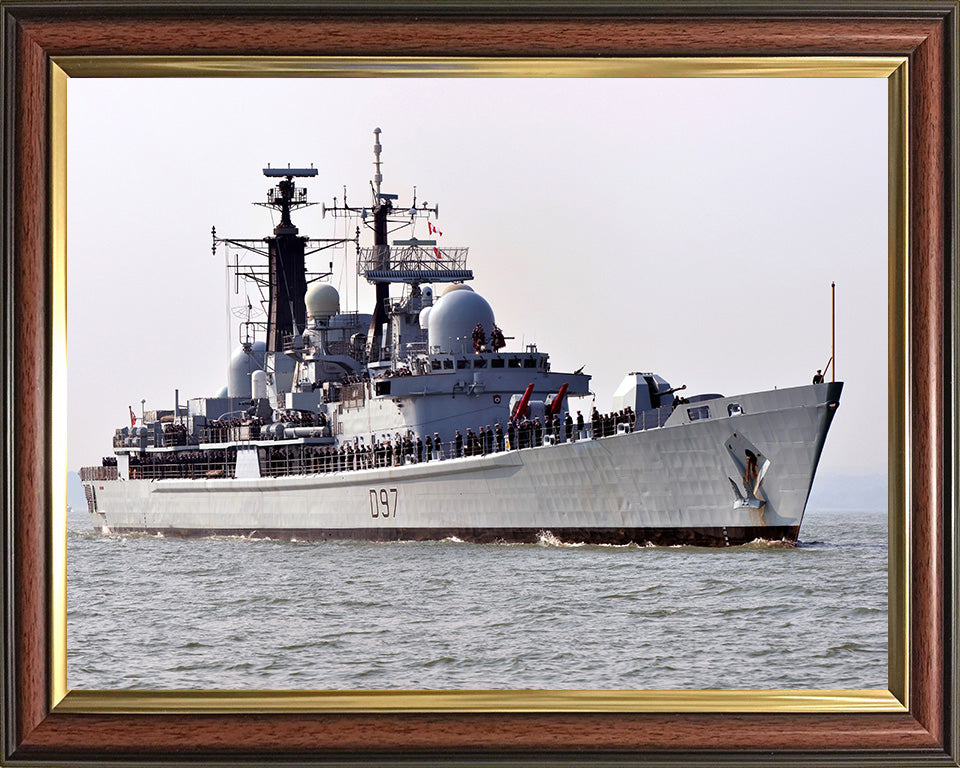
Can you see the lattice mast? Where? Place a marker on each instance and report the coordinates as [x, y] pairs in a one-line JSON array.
[[410, 261]]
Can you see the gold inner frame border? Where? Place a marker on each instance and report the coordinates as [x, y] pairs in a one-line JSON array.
[[893, 69]]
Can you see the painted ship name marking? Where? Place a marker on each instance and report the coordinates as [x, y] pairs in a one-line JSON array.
[[380, 502]]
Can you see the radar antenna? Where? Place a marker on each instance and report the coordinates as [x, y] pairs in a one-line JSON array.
[[410, 261], [284, 279]]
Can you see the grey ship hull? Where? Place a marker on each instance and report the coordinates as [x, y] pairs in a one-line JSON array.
[[682, 483]]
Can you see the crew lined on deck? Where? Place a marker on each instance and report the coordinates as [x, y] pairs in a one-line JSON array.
[[375, 453]]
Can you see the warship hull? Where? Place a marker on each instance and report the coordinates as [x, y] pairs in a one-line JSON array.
[[685, 482]]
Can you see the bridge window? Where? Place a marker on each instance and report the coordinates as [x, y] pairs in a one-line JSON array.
[[700, 412], [479, 362], [734, 409], [530, 362], [461, 364], [435, 365], [448, 364], [514, 362], [496, 362], [383, 387]]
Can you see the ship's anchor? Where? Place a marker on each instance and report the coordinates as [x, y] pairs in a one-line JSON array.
[[752, 466]]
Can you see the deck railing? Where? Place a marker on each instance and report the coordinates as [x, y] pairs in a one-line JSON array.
[[298, 460]]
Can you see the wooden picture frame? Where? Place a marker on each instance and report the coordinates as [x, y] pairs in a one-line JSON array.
[[915, 722]]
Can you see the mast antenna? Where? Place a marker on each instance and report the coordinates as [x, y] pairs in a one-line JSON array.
[[833, 331], [377, 177], [831, 363]]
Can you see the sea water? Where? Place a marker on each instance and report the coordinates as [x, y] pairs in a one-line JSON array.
[[147, 612]]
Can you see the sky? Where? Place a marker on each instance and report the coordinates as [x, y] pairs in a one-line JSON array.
[[687, 227]]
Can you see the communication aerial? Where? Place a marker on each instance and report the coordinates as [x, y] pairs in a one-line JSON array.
[[412, 261], [282, 282]]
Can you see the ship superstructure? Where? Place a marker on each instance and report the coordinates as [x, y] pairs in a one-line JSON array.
[[420, 421]]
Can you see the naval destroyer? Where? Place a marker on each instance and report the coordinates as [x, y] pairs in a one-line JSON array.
[[420, 420]]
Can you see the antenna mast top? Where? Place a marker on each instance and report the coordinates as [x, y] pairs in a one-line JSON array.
[[377, 177], [285, 197]]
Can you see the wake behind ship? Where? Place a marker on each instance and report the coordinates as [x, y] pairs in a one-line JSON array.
[[420, 421]]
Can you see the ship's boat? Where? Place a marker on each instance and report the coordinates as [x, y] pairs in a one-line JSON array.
[[420, 420]]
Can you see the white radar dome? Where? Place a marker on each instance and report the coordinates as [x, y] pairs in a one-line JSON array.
[[425, 317], [454, 317], [242, 365], [456, 287], [322, 300]]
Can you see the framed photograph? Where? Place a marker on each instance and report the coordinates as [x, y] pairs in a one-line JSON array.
[[607, 259], [47, 46]]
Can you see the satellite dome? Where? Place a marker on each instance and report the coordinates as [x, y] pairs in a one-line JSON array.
[[454, 317], [242, 365], [322, 300], [456, 287], [425, 317]]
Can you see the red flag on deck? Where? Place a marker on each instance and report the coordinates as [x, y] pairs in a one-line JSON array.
[[432, 229], [133, 418], [436, 252]]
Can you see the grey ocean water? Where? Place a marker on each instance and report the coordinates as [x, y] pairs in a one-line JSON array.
[[157, 613]]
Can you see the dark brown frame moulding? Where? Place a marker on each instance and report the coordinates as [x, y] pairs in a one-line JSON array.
[[36, 731]]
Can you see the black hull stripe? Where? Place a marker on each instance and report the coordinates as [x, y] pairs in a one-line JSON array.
[[664, 537]]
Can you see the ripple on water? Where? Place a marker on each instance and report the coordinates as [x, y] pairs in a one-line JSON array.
[[259, 614]]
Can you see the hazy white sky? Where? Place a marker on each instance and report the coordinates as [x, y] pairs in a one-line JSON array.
[[686, 227]]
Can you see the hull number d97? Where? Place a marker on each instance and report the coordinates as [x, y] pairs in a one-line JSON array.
[[383, 502]]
